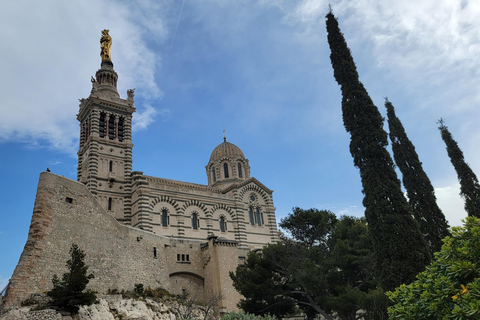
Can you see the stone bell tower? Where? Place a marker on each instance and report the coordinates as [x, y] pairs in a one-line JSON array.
[[105, 152]]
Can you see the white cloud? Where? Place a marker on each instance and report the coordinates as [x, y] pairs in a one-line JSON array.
[[350, 211], [55, 162], [451, 203], [50, 50], [432, 45], [142, 119]]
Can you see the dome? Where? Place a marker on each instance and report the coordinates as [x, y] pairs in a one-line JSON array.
[[226, 149]]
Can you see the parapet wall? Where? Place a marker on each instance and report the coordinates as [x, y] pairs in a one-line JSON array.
[[65, 212]]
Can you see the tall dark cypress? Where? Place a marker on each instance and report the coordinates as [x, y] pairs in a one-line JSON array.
[[421, 195], [399, 247], [469, 186]]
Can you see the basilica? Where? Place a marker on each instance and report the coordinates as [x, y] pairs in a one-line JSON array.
[[135, 228]]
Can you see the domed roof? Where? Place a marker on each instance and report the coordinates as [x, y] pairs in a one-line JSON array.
[[226, 149]]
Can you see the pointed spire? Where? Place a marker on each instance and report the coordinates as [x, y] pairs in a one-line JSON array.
[[224, 137]]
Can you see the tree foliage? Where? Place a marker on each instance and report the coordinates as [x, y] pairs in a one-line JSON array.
[[311, 227], [400, 250], [261, 280], [450, 287], [420, 192], [469, 186], [328, 272], [69, 292]]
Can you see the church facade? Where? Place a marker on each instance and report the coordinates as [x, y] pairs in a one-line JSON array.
[[137, 228]]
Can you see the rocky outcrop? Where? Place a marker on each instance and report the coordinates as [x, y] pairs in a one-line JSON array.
[[109, 308]]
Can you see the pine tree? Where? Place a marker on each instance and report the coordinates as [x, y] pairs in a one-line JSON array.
[[69, 292], [400, 250], [469, 186], [421, 194]]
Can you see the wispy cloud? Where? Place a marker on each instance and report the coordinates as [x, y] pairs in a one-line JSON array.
[[144, 117], [55, 162]]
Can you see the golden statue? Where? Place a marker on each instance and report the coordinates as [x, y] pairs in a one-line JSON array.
[[105, 45]]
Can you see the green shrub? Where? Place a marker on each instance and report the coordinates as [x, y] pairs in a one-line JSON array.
[[69, 292], [29, 302], [246, 316], [138, 290], [155, 294], [450, 287]]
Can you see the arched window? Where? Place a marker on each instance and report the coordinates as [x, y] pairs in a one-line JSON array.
[[195, 221], [259, 217], [165, 218], [223, 224], [240, 175], [110, 166], [214, 177], [225, 169], [109, 204], [252, 218]]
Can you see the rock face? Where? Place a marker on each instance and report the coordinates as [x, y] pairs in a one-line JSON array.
[[109, 308]]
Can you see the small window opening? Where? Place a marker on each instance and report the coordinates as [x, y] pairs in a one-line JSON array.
[[110, 166], [195, 221], [109, 204], [225, 169], [213, 175], [240, 174], [250, 214], [155, 252], [165, 218], [223, 224], [183, 258], [68, 200]]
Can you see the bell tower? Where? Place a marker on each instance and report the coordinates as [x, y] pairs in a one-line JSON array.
[[105, 151]]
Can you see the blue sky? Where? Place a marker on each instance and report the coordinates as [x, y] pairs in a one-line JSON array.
[[258, 69]]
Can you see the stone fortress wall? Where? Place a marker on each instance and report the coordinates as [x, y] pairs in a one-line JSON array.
[[120, 256]]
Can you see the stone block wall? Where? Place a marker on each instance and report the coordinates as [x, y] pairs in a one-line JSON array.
[[120, 256], [65, 212]]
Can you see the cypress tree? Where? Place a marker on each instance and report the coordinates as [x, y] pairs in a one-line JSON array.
[[469, 186], [400, 250], [421, 194]]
